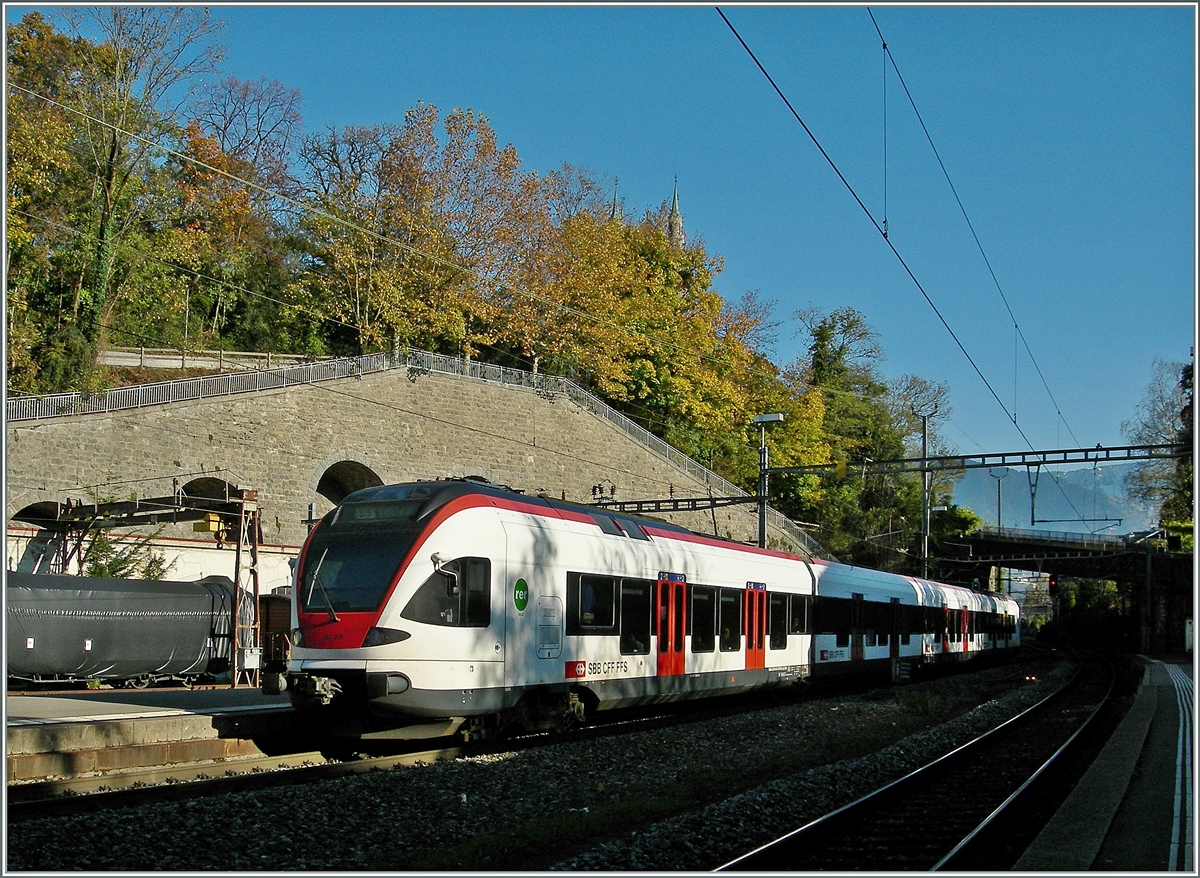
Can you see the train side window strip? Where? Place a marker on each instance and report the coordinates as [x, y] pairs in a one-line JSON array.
[[800, 615], [777, 624], [456, 596], [635, 616], [731, 619]]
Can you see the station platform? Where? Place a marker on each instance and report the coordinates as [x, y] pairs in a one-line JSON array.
[[1133, 809], [78, 733]]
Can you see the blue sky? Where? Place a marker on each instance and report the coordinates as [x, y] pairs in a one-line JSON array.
[[1069, 133]]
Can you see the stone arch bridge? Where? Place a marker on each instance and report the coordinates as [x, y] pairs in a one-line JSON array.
[[305, 436]]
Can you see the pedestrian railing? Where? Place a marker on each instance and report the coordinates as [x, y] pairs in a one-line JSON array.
[[416, 363]]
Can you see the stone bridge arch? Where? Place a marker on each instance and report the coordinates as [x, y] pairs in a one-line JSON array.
[[342, 473]]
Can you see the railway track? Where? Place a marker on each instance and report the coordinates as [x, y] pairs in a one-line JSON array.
[[341, 758], [944, 815]]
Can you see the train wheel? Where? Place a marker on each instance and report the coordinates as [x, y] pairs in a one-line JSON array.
[[479, 728], [138, 682], [557, 712]]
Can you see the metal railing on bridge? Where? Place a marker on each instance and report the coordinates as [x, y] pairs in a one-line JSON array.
[[1087, 541], [416, 363]]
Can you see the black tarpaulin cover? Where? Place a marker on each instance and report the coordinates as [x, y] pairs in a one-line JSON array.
[[81, 628]]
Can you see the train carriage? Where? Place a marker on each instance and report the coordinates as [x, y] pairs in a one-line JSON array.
[[461, 599], [72, 629]]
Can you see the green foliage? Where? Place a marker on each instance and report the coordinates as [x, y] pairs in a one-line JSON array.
[[114, 557], [1090, 611]]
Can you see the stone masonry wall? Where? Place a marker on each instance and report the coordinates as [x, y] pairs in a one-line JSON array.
[[281, 442]]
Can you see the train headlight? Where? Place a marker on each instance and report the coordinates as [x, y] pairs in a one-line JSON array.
[[381, 636], [297, 637]]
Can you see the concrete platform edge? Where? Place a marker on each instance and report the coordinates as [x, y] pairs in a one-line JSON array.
[[1072, 838]]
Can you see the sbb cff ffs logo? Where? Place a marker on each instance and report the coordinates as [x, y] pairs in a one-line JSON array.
[[576, 670]]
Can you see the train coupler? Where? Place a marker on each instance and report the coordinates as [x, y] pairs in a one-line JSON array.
[[308, 690]]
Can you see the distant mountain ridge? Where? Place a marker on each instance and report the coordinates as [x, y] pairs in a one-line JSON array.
[[1063, 498]]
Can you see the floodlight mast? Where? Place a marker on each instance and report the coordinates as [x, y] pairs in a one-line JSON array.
[[762, 421]]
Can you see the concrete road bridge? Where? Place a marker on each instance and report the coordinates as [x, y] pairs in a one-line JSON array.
[[1162, 580]]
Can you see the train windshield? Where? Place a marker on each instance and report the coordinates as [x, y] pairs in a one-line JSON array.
[[356, 552], [351, 572]]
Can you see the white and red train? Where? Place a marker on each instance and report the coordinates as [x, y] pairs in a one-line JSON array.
[[463, 600]]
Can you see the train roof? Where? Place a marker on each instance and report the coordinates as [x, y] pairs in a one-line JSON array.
[[415, 501]]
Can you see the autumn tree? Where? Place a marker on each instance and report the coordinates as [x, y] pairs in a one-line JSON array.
[[43, 254], [93, 121], [128, 92], [379, 265], [1164, 416]]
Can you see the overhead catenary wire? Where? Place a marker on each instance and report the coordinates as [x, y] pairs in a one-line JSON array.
[[1018, 334], [971, 226], [883, 233], [832, 164]]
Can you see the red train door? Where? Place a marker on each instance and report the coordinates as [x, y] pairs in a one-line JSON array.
[[966, 629], [754, 621], [670, 611]]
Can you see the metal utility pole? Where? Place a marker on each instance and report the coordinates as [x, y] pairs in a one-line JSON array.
[[999, 513], [925, 476], [763, 465]]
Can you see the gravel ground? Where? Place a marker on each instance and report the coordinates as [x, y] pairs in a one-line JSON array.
[[691, 797]]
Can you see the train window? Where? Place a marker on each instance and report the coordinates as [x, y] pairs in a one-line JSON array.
[[457, 595], [631, 528], [635, 616], [731, 619], [904, 624], [934, 620], [832, 616], [778, 622], [475, 575], [703, 619], [801, 613], [591, 604], [607, 524], [877, 619]]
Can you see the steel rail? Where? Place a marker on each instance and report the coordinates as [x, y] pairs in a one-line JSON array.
[[1021, 791], [768, 857]]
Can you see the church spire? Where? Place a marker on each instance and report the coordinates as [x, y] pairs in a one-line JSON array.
[[675, 220], [616, 213]]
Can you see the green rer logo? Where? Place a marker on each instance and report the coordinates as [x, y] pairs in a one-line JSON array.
[[521, 595]]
